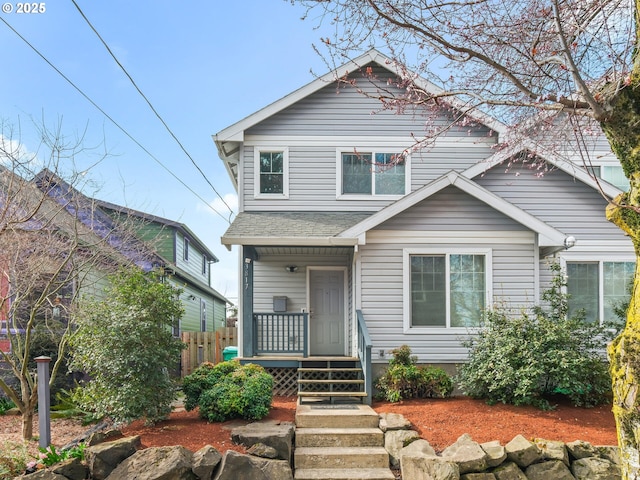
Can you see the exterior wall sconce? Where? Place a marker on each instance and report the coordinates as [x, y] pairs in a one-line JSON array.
[[291, 268], [569, 242]]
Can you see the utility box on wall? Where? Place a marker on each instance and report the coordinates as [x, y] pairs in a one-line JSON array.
[[279, 304]]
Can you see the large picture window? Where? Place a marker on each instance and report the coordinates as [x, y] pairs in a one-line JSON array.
[[373, 173], [272, 176], [597, 287], [446, 289]]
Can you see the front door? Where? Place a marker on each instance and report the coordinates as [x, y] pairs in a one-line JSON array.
[[326, 309]]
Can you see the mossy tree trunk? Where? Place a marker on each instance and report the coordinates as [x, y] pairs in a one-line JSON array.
[[622, 128]]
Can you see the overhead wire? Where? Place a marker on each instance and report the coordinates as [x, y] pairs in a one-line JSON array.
[[153, 109], [112, 120]]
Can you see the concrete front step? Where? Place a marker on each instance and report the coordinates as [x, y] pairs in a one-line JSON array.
[[344, 474], [336, 416], [339, 437], [340, 457]]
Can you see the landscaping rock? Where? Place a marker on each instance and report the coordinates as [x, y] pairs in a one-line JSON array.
[[553, 469], [496, 453], [102, 459], [276, 435], [468, 454], [419, 447], [552, 450], [205, 462], [478, 476], [393, 421], [99, 437], [395, 441], [41, 475], [73, 469], [594, 468], [609, 452], [580, 449], [237, 466], [263, 451], [156, 463], [522, 451], [509, 471], [421, 467]]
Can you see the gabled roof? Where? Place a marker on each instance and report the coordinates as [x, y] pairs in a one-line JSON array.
[[525, 145], [229, 139], [548, 236]]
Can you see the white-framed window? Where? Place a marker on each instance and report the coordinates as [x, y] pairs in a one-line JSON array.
[[612, 174], [597, 287], [271, 167], [446, 289], [370, 173]]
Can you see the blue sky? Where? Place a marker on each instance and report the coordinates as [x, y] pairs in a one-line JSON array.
[[203, 64]]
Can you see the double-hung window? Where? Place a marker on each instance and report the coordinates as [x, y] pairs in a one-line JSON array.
[[446, 289], [372, 173], [271, 172], [597, 287]]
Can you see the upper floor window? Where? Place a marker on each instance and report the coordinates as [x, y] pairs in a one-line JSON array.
[[612, 174], [185, 250], [271, 172], [372, 173], [446, 289], [205, 262], [598, 287]]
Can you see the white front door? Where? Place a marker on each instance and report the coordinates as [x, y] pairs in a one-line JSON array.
[[326, 312]]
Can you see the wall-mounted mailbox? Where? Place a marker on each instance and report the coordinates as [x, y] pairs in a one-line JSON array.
[[279, 304]]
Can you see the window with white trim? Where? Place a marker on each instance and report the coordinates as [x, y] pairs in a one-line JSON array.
[[185, 249], [597, 287], [271, 172], [612, 174], [372, 173], [446, 289]]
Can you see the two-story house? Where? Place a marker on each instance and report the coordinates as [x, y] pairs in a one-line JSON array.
[[352, 243]]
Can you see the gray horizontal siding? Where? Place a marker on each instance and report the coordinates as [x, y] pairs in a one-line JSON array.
[[382, 296], [344, 110], [453, 210], [555, 198]]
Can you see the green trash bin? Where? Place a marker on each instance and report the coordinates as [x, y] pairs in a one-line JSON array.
[[229, 353]]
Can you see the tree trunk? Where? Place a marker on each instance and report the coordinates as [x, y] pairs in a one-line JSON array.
[[27, 424], [623, 132]]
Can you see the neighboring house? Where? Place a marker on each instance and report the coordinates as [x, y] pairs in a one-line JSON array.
[[151, 242], [336, 248]]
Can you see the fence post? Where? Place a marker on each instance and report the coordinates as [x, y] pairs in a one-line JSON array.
[[44, 402]]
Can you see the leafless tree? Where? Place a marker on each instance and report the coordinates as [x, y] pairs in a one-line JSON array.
[[537, 66], [53, 249]]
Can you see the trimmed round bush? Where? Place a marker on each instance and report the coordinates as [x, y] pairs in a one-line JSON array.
[[229, 390]]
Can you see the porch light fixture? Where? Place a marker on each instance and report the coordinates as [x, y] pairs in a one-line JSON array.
[[569, 242], [291, 268]]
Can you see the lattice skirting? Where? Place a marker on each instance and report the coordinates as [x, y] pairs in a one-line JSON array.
[[329, 375], [285, 381]]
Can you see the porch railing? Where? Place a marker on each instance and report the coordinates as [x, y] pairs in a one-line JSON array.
[[364, 354], [280, 333]]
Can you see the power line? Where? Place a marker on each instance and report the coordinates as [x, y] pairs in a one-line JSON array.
[[149, 103], [70, 82]]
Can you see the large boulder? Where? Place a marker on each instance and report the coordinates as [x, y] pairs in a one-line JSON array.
[[205, 462], [468, 454], [105, 457], [156, 463], [41, 475], [580, 449], [395, 441], [478, 476], [522, 451], [509, 471], [553, 450], [552, 469], [276, 435], [72, 469], [594, 468], [496, 453], [237, 466], [418, 461], [393, 421]]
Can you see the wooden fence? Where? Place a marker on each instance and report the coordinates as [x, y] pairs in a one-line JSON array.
[[205, 347]]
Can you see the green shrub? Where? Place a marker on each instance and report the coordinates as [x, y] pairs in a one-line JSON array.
[[229, 390], [51, 456], [405, 379], [5, 405], [523, 359]]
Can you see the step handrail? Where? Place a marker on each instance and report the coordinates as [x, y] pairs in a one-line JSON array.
[[364, 354]]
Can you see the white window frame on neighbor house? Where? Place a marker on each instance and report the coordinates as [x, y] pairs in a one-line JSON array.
[[407, 253], [370, 151], [257, 151], [610, 173], [599, 261]]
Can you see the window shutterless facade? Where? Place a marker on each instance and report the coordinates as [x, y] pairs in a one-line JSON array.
[[185, 249], [446, 289], [370, 173], [597, 287], [271, 172]]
